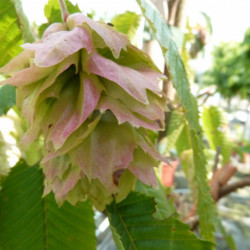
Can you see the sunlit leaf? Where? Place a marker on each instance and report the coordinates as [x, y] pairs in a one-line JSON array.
[[10, 32], [53, 14], [127, 23], [215, 128], [175, 127]]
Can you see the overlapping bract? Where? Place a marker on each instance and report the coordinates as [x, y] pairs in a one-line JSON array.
[[93, 96]]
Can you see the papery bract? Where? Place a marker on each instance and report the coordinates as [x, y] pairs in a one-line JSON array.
[[93, 97]]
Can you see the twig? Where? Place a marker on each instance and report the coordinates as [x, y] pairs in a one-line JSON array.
[[64, 10], [227, 189]]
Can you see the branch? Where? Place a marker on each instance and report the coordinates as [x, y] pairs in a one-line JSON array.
[[227, 189]]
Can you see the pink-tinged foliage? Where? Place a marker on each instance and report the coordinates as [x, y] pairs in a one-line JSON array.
[[57, 46], [73, 140], [61, 187], [94, 111], [109, 148], [18, 63], [149, 148], [62, 164], [134, 82], [72, 118], [124, 114], [28, 76], [153, 111], [54, 27], [114, 40], [141, 167], [30, 103]]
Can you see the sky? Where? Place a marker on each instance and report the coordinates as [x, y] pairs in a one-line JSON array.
[[230, 18]]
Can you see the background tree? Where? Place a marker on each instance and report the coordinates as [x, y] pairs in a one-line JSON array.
[[230, 69]]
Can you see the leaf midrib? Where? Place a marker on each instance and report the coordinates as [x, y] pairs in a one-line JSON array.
[[125, 227]]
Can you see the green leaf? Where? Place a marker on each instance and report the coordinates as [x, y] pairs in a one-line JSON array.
[[214, 127], [133, 221], [175, 65], [53, 14], [164, 208], [23, 22], [14, 30], [175, 127], [127, 23], [7, 98], [228, 238], [184, 141], [10, 33], [31, 222]]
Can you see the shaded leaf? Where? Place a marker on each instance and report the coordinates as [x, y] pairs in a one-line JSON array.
[[7, 98], [31, 222], [164, 208], [132, 220], [175, 65]]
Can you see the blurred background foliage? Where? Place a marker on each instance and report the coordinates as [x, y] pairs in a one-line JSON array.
[[230, 69]]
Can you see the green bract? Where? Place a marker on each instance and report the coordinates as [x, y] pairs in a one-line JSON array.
[[93, 96]]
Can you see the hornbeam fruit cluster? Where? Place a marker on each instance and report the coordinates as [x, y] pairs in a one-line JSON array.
[[94, 98]]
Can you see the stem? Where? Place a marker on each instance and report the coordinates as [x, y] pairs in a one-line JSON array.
[[64, 10]]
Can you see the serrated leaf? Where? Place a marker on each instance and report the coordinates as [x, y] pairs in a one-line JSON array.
[[184, 141], [14, 30], [10, 33], [213, 123], [175, 127], [103, 36], [133, 221], [7, 98], [134, 82], [127, 23], [31, 222], [179, 78], [164, 208]]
